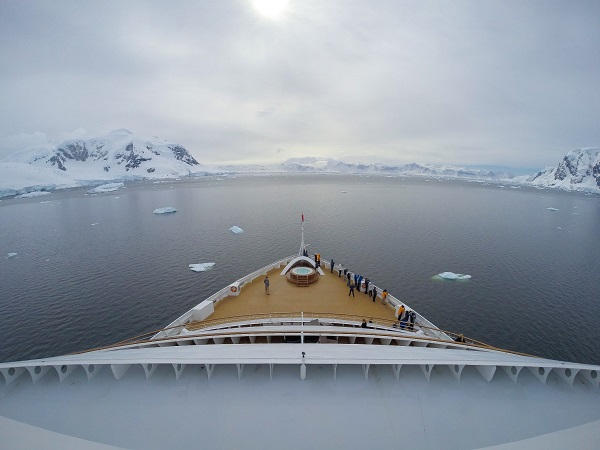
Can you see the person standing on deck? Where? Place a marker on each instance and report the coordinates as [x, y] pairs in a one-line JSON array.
[[351, 286], [374, 293], [404, 320], [367, 281], [341, 269], [267, 283], [413, 316], [359, 284], [332, 264], [384, 296], [401, 312]]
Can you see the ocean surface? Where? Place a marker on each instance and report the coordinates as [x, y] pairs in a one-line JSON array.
[[92, 270]]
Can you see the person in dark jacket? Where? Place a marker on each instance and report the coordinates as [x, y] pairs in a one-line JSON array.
[[374, 293], [412, 318], [351, 286], [332, 264]]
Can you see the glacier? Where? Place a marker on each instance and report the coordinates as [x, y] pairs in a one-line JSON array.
[[109, 187], [33, 194]]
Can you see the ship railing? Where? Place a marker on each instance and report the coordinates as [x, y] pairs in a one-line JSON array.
[[282, 318], [428, 328], [177, 325], [259, 319]]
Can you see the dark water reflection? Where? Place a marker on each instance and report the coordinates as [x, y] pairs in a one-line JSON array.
[[75, 285]]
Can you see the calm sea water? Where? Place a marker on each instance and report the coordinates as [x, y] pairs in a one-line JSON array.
[[93, 270]]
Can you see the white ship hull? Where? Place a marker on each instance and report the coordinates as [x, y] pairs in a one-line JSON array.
[[234, 382]]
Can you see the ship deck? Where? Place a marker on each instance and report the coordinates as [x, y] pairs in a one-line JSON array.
[[327, 296]]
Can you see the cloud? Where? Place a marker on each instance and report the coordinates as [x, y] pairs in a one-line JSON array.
[[498, 82], [14, 143]]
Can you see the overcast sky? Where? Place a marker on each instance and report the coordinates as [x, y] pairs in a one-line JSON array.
[[514, 83]]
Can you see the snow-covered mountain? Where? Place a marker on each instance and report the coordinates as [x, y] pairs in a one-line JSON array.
[[122, 156], [327, 165], [118, 156], [579, 170]]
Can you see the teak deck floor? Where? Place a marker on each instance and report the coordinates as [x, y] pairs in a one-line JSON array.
[[328, 295]]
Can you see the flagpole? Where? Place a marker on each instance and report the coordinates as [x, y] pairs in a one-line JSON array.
[[301, 252]]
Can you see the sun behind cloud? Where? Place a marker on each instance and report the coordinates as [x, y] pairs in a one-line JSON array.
[[271, 9]]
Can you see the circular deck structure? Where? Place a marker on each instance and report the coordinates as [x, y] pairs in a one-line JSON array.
[[302, 275]]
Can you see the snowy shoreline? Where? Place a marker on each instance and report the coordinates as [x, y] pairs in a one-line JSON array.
[[90, 185]]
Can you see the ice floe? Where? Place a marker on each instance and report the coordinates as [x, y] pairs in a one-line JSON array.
[[201, 267], [109, 187], [453, 276], [33, 194], [235, 229], [552, 209], [10, 255], [165, 210]]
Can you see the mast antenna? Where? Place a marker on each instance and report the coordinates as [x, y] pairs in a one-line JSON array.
[[302, 246]]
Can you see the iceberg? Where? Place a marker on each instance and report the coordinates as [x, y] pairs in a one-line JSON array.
[[235, 229], [109, 187], [453, 276], [165, 210], [201, 267], [33, 194], [10, 255]]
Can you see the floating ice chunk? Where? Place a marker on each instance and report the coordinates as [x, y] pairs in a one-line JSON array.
[[33, 194], [201, 267], [453, 276], [45, 201], [235, 229], [165, 210], [552, 209], [10, 255], [96, 223], [109, 187]]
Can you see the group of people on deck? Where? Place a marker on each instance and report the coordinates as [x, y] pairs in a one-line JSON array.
[[356, 282], [406, 317]]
